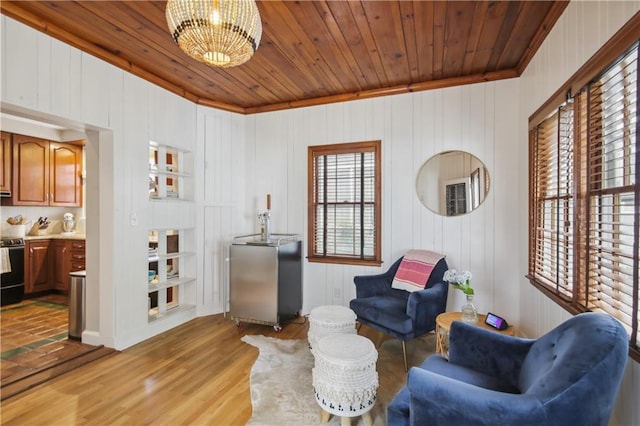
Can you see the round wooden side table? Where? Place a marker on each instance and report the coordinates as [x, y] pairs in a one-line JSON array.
[[443, 324]]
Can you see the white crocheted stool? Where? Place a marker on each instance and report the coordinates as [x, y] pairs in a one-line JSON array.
[[345, 380], [330, 319]]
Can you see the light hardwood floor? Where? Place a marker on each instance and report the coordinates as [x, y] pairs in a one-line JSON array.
[[195, 374]]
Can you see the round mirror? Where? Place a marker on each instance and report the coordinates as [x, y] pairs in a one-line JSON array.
[[452, 183]]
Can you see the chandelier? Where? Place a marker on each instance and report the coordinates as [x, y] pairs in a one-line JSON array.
[[220, 33]]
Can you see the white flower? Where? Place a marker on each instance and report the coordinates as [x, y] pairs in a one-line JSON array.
[[461, 281], [450, 275]]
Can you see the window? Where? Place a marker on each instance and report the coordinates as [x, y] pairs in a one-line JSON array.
[[456, 197], [585, 198], [344, 203]]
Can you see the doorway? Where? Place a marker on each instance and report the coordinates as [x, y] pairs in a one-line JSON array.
[[46, 343]]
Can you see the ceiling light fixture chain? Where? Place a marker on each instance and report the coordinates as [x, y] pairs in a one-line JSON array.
[[220, 33]]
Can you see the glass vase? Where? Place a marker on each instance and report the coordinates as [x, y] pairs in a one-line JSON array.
[[469, 311]]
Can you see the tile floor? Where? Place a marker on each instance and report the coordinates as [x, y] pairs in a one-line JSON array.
[[33, 336]]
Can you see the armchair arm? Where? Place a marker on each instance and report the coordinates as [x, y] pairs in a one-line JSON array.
[[375, 285], [425, 305], [440, 400], [488, 352]]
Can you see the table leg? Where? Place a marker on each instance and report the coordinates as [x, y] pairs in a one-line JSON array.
[[366, 418], [324, 416], [440, 336]]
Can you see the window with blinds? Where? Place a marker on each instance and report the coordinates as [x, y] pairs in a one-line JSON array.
[[585, 198], [344, 203], [553, 185]]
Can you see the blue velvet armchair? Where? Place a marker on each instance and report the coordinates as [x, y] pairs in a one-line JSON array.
[[570, 376], [399, 313]]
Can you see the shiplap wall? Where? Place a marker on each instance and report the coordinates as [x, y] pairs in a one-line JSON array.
[[52, 82], [582, 29], [480, 119]]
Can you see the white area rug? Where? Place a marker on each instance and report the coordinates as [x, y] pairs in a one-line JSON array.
[[281, 385]]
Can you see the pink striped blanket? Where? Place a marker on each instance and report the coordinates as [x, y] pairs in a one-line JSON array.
[[415, 269]]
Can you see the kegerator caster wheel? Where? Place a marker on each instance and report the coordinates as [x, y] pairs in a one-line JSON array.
[[238, 323], [277, 328]]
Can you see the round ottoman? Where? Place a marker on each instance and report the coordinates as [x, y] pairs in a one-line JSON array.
[[345, 380], [330, 319]]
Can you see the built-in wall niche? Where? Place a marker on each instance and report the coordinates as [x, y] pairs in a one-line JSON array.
[[170, 173], [171, 276]]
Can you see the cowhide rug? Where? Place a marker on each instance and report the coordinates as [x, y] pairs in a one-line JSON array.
[[281, 384]]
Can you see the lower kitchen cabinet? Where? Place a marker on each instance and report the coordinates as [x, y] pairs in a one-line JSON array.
[[77, 259], [59, 252], [38, 267], [49, 262]]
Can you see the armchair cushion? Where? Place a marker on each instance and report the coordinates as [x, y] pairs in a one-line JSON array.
[[467, 375], [454, 402], [488, 353]]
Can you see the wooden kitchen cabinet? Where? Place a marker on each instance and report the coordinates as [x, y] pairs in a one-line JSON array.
[[59, 252], [49, 262], [5, 162], [45, 173], [77, 257], [38, 271], [66, 256]]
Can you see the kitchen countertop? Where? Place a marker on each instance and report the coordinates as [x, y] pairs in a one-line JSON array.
[[70, 236]]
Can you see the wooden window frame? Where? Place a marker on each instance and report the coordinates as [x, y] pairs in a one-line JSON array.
[[583, 288], [326, 256]]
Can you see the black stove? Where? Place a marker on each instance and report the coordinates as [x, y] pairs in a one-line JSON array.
[[11, 242], [12, 268]]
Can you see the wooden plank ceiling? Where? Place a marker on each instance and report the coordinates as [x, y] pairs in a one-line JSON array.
[[311, 52]]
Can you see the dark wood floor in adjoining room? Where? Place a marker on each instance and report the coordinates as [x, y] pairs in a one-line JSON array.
[[34, 337], [194, 374]]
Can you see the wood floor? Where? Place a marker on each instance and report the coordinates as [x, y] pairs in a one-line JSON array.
[[195, 374], [33, 337]]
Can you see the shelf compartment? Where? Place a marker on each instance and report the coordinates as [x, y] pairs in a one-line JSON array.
[[174, 282], [170, 173]]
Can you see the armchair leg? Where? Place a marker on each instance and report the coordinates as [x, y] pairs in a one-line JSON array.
[[404, 355]]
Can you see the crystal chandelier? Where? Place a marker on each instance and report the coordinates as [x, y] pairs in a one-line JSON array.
[[221, 33]]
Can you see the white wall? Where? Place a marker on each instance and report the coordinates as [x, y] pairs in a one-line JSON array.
[[579, 33], [477, 118], [49, 81], [221, 169]]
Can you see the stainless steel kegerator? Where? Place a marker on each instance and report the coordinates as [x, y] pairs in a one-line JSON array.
[[265, 278]]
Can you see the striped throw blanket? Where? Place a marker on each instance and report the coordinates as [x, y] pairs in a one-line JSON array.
[[415, 269]]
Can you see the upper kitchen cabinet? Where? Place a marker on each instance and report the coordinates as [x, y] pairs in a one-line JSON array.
[[5, 162], [45, 173]]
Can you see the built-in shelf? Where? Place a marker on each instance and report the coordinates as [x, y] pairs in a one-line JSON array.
[[171, 286], [170, 283], [174, 255], [170, 173]]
